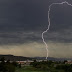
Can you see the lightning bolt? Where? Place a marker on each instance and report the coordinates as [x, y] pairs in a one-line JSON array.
[[49, 24]]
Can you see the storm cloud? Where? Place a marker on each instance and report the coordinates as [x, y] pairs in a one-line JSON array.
[[23, 21]]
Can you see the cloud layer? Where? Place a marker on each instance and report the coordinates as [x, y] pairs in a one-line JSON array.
[[23, 21]]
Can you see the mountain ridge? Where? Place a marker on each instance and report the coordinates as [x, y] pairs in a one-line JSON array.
[[22, 58]]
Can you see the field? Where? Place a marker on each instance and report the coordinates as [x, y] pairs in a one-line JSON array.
[[32, 69], [28, 69]]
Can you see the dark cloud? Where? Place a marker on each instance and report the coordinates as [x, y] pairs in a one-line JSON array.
[[28, 12], [19, 37], [3, 1], [19, 18], [61, 24]]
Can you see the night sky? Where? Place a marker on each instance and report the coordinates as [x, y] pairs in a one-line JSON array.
[[23, 21]]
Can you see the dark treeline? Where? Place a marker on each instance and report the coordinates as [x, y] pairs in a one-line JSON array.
[[7, 66], [52, 66]]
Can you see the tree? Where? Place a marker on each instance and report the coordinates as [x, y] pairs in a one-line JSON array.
[[10, 68], [7, 66], [15, 63], [20, 65], [65, 61]]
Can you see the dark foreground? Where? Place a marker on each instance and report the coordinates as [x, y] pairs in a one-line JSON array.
[[35, 66]]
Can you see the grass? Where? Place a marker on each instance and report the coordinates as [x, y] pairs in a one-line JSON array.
[[28, 69], [32, 69]]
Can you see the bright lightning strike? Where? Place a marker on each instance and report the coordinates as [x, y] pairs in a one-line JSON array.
[[49, 23]]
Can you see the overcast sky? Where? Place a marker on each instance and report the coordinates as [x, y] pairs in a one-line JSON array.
[[23, 21]]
